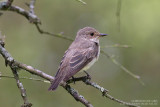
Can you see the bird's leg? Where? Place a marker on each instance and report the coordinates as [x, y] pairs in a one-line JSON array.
[[88, 76], [83, 78], [74, 81]]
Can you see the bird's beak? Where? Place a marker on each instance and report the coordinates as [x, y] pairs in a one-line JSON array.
[[102, 34]]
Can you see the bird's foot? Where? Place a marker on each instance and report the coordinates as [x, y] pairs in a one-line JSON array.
[[88, 76], [73, 79]]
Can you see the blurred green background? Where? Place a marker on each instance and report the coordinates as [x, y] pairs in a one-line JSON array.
[[139, 27]]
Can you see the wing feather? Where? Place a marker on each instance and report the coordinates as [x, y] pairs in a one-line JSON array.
[[79, 60]]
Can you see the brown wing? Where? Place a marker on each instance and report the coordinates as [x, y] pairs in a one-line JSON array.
[[60, 75], [73, 61], [79, 60]]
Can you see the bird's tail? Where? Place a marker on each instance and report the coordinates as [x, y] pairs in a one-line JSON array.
[[55, 83]]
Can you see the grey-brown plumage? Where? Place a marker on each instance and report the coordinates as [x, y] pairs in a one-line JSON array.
[[81, 54]]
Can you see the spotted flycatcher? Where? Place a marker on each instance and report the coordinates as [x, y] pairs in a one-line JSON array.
[[81, 55]]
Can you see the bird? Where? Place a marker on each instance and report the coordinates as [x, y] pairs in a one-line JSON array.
[[80, 56]]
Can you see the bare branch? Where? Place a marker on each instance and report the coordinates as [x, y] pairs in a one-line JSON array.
[[34, 71], [67, 87], [103, 52], [31, 17], [76, 96], [34, 79], [122, 67], [87, 82], [52, 34], [116, 46], [104, 93], [120, 101], [6, 6], [101, 89], [10, 61], [14, 65], [67, 38], [21, 88]]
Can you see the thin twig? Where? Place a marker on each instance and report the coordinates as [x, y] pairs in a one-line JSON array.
[[10, 61], [87, 82], [31, 17], [116, 46], [34, 71], [21, 88], [34, 79], [7, 6], [101, 89], [36, 22], [122, 67], [52, 34], [105, 93], [72, 91], [103, 52]]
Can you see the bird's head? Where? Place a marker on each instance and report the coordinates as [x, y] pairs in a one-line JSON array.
[[89, 33]]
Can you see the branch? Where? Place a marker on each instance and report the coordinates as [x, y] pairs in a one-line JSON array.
[[87, 82], [68, 88], [104, 93], [7, 6], [76, 96], [31, 17], [21, 88], [34, 79], [52, 34], [15, 65], [36, 21], [102, 51], [101, 89], [10, 61], [117, 46], [122, 67]]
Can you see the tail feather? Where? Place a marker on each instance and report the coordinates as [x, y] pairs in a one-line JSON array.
[[55, 83]]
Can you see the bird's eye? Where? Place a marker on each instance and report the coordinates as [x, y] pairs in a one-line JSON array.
[[92, 34]]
